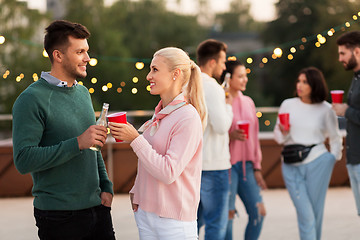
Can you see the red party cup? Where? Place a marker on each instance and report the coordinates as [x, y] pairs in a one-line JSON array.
[[244, 125], [337, 96], [119, 117], [284, 120]]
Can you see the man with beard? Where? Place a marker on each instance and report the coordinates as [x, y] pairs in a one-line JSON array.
[[53, 129], [349, 56]]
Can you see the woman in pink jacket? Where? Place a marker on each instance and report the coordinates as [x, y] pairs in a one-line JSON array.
[[245, 155], [166, 192]]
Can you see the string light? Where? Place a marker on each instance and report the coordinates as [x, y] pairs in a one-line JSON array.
[[249, 60], [259, 114], [35, 77], [81, 83], [278, 52], [317, 40], [45, 54], [93, 80], [139, 65], [93, 62], [2, 40]]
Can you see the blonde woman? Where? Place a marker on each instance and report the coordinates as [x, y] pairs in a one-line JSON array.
[[166, 192]]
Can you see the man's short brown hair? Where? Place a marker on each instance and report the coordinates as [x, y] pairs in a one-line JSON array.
[[58, 32], [209, 49]]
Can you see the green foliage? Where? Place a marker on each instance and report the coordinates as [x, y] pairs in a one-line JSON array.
[[126, 30], [297, 19], [16, 54]]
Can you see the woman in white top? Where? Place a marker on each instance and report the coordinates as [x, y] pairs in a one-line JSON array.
[[311, 121]]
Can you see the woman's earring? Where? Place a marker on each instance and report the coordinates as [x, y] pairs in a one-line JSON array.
[[174, 78]]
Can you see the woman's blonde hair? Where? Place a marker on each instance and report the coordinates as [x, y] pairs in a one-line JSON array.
[[191, 78]]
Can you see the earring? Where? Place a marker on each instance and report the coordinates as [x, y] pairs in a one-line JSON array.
[[174, 78]]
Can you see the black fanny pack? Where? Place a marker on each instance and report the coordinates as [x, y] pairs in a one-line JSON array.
[[295, 152]]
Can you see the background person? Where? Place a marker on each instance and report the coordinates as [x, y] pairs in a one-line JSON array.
[[53, 128], [214, 194], [349, 56], [311, 121], [245, 152], [166, 192]]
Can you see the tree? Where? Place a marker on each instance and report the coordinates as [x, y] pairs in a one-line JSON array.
[[21, 54], [126, 32], [306, 18]]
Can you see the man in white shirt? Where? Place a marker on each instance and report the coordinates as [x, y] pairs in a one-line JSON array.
[[214, 193]]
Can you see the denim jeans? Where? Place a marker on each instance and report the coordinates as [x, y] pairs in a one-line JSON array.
[[153, 227], [88, 224], [249, 192], [213, 206], [354, 175], [307, 185]]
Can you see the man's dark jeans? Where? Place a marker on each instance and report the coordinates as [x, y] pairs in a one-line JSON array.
[[92, 223]]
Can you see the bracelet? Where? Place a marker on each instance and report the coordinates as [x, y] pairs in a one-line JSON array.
[[257, 170]]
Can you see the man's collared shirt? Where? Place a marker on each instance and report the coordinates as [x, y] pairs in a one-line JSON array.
[[55, 81]]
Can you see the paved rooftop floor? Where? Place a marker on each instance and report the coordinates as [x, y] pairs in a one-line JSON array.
[[340, 219]]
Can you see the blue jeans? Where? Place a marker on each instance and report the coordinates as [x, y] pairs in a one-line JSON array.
[[354, 175], [249, 192], [213, 206], [307, 185]]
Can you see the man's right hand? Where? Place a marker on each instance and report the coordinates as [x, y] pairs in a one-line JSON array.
[[94, 135]]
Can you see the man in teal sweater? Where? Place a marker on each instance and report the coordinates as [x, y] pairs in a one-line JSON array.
[[53, 128]]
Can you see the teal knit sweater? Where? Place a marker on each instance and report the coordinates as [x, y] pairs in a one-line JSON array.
[[46, 123]]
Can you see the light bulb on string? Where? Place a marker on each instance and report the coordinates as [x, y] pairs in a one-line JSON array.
[[278, 52], [139, 65], [93, 62], [45, 54], [2, 40]]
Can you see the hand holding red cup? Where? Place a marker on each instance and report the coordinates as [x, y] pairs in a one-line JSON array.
[[337, 96], [285, 120], [119, 117], [244, 125]]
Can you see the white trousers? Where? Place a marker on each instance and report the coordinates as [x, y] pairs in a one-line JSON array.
[[153, 227]]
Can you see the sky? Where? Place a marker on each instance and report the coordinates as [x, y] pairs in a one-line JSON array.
[[262, 10]]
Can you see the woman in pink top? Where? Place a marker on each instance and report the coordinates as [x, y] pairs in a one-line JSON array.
[[166, 192], [245, 152]]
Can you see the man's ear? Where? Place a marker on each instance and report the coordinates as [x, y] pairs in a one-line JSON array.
[[57, 56], [212, 63]]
